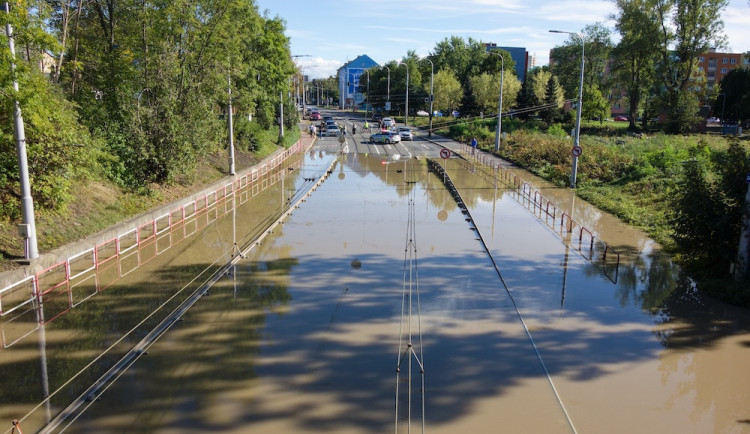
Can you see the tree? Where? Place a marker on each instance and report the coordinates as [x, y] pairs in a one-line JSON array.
[[734, 100], [634, 57], [485, 89], [595, 106], [448, 90], [687, 28], [567, 60], [553, 99]]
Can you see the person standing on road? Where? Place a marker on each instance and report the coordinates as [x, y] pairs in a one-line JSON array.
[[354, 128]]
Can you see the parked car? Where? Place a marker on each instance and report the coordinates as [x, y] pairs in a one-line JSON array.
[[422, 113], [314, 116], [388, 122], [455, 113], [621, 118], [713, 120], [437, 114], [385, 137], [405, 133]]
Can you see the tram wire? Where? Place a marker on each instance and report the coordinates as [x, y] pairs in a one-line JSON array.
[[465, 210], [410, 282], [71, 413]]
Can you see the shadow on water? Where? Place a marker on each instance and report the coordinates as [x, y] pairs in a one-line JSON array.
[[311, 339]]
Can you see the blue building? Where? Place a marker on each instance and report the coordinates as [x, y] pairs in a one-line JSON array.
[[519, 55], [350, 93]]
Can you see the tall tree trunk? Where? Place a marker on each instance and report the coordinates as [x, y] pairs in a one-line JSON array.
[[65, 25], [74, 75]]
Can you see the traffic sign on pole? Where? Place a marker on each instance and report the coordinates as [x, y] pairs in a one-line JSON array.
[[576, 151], [445, 153]]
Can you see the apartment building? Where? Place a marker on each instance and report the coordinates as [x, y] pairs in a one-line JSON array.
[[716, 65]]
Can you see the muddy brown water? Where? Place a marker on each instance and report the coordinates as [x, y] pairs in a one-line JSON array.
[[303, 334]]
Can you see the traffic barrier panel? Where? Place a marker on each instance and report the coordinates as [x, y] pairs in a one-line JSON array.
[[127, 241], [82, 262], [104, 253], [17, 295]]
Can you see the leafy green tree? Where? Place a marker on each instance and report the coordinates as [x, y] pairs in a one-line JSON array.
[[486, 91], [595, 106], [687, 29], [635, 55], [707, 210], [734, 98], [553, 99], [566, 64], [448, 90]]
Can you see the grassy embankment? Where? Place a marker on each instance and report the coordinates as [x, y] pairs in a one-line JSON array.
[[96, 204]]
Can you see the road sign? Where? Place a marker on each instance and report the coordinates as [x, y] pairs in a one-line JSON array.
[[445, 153], [576, 151]]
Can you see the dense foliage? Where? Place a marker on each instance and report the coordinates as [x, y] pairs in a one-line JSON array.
[[135, 91]]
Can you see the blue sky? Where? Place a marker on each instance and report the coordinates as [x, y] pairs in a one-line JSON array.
[[333, 32]]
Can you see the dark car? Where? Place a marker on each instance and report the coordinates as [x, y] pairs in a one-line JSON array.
[[377, 117]]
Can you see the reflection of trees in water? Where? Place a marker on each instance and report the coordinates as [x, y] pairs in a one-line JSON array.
[[221, 333], [647, 281]]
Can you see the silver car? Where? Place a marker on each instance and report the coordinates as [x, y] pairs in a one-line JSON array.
[[405, 133]]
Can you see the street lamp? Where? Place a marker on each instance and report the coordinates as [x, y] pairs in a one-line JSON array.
[[577, 145], [432, 96], [723, 103], [388, 91], [406, 117], [499, 130]]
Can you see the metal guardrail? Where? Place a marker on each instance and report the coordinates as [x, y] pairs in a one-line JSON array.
[[64, 285], [585, 241]]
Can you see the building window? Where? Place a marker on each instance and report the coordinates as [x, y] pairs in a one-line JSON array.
[[712, 62], [724, 60], [723, 70], [747, 61], [700, 68], [732, 60], [701, 59]]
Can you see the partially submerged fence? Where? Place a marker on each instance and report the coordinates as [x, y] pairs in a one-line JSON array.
[[63, 286], [574, 234]]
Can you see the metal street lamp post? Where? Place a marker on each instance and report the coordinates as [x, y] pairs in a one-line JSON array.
[[28, 228], [499, 130], [406, 114], [432, 96], [577, 145]]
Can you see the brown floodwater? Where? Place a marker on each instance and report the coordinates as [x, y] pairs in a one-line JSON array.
[[306, 331]]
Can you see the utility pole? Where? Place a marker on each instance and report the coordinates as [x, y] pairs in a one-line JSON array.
[[28, 229], [281, 115], [231, 128]]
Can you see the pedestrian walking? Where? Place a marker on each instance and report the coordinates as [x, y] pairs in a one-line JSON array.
[[473, 145], [354, 128]]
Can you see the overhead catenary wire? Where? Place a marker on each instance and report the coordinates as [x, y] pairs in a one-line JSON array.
[[85, 400], [457, 197], [406, 351]]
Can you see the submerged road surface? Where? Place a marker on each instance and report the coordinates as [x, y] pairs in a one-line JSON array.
[[527, 331]]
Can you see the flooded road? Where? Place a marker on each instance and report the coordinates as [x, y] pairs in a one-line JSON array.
[[303, 334]]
